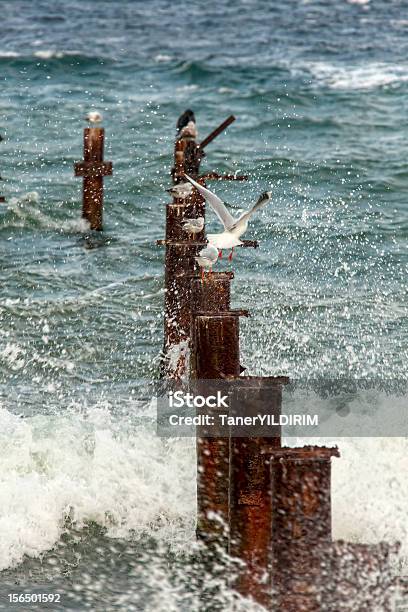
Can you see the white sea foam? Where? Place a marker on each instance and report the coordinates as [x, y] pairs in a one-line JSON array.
[[10, 54], [26, 208], [44, 54], [54, 53], [187, 88], [367, 76], [370, 491], [48, 54], [161, 58], [86, 467]]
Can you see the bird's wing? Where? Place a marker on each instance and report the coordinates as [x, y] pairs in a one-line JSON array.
[[216, 204], [262, 200]]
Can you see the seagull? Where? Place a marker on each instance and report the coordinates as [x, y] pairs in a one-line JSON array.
[[184, 119], [94, 117], [193, 226], [181, 190], [189, 132], [233, 228], [206, 258]]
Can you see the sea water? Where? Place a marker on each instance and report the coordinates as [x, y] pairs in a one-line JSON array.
[[92, 503]]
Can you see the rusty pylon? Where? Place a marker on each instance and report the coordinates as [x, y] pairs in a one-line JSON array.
[[93, 169], [181, 249], [2, 198]]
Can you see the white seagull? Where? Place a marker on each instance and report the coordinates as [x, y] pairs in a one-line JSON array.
[[193, 226], [233, 228], [189, 131], [181, 190], [94, 117], [206, 258]]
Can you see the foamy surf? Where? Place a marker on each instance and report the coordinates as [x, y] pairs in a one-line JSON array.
[[364, 77], [87, 465], [84, 466], [25, 211]]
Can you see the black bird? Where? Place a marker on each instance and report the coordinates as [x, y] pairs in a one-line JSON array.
[[185, 119]]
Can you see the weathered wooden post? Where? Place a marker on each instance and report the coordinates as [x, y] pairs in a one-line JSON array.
[[93, 169]]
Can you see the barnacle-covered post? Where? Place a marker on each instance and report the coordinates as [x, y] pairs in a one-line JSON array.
[[93, 169]]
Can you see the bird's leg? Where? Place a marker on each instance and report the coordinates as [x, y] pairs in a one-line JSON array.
[[230, 256], [220, 253]]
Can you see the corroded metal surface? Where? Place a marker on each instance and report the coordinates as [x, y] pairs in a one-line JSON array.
[[2, 198], [301, 525], [180, 268], [216, 350], [223, 126], [93, 169], [216, 344], [250, 534], [214, 294]]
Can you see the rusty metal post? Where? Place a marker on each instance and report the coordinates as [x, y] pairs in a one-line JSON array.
[[180, 253], [179, 270], [213, 295], [301, 524], [93, 169], [216, 350], [250, 507], [2, 198]]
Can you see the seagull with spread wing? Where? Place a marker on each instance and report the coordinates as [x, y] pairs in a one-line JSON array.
[[233, 228]]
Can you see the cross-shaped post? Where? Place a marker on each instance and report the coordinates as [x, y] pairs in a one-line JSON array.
[[93, 169]]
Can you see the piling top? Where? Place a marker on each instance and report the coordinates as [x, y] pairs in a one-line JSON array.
[[318, 453]]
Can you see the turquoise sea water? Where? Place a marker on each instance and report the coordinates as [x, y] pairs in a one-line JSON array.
[[320, 92]]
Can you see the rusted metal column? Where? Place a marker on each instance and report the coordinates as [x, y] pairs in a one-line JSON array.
[[180, 252], [250, 507], [179, 270], [212, 295], [2, 198], [216, 349], [301, 525], [93, 169]]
